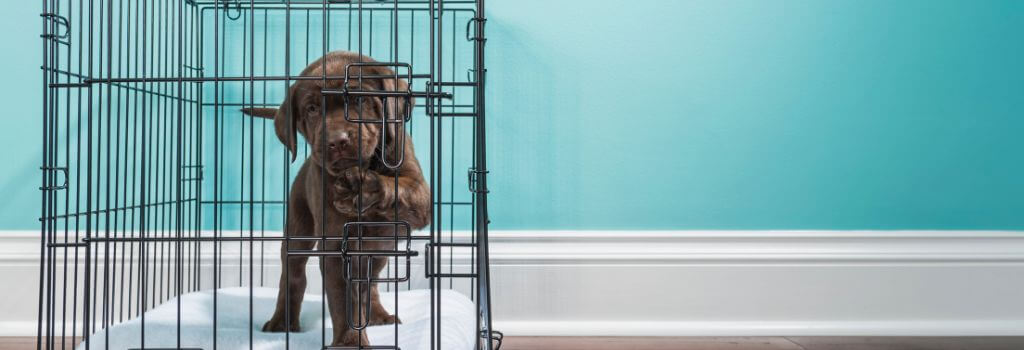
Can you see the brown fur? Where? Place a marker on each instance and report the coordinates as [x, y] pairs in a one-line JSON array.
[[332, 176]]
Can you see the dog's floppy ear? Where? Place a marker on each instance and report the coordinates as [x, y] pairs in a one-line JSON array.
[[283, 125], [393, 109]]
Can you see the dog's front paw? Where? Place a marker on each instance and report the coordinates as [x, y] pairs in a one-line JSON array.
[[357, 191], [351, 338], [277, 325], [378, 319]]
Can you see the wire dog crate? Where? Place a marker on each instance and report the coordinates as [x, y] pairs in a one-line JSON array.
[[165, 206]]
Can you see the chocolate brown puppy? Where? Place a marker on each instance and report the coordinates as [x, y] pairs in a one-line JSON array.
[[351, 169]]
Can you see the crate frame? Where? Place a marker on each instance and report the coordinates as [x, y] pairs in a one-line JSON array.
[[89, 90]]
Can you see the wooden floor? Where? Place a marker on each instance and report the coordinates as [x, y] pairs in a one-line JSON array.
[[716, 343], [764, 343]]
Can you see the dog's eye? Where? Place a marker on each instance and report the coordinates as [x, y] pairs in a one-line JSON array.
[[312, 109], [357, 100]]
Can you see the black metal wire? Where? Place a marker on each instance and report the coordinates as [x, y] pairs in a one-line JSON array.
[[128, 100]]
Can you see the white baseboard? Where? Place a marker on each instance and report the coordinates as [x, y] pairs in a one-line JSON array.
[[754, 329], [725, 283]]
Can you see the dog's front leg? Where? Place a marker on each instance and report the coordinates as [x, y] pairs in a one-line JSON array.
[[339, 300], [292, 285], [411, 193], [378, 314], [291, 289], [374, 195]]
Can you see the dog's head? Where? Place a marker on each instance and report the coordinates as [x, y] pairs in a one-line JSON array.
[[337, 143]]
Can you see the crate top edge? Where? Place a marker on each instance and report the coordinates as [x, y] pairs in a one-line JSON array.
[[334, 4]]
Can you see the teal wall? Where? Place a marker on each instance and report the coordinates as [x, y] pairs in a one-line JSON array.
[[757, 114], [21, 124], [710, 115]]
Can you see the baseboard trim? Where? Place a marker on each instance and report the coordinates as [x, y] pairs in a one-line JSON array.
[[755, 247], [18, 328], [754, 329], [727, 283]]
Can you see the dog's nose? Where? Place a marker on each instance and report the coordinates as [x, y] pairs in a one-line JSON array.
[[338, 142], [337, 145]]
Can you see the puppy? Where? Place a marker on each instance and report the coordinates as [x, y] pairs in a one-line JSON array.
[[351, 169]]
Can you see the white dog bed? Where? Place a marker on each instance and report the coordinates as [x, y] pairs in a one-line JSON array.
[[457, 323]]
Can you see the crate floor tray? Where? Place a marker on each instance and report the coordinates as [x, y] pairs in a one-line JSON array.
[[233, 324]]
